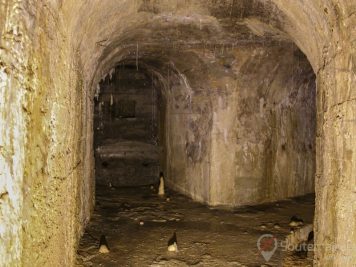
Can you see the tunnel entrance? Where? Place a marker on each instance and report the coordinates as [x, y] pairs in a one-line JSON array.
[[128, 128], [232, 125], [247, 145]]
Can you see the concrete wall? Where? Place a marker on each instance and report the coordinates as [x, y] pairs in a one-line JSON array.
[[188, 130], [264, 129], [246, 134], [42, 108]]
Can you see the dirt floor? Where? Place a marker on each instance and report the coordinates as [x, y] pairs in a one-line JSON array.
[[138, 224]]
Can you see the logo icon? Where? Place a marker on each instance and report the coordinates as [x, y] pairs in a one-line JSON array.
[[267, 244]]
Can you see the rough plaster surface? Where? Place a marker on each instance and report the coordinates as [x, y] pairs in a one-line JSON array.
[[53, 54]]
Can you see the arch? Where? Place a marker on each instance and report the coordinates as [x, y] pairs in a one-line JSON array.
[[50, 63]]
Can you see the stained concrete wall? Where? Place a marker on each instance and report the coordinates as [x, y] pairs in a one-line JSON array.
[[336, 164], [188, 130], [246, 134], [264, 129], [45, 198]]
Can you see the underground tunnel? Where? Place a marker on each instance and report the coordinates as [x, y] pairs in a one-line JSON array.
[[177, 133], [259, 120]]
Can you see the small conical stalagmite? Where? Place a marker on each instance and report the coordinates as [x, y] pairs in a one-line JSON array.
[[296, 222], [161, 185], [111, 100], [173, 244], [103, 245]]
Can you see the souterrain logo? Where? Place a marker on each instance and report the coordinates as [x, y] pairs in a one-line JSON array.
[[267, 245]]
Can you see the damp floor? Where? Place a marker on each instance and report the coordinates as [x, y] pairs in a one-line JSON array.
[[137, 225]]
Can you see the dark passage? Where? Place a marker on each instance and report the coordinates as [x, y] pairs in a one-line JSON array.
[[127, 141]]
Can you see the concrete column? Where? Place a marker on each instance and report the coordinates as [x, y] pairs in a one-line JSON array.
[[223, 154]]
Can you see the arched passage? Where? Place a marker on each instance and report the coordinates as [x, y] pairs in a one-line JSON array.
[[52, 60]]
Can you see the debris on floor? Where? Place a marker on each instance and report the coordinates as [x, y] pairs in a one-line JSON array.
[[138, 223]]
